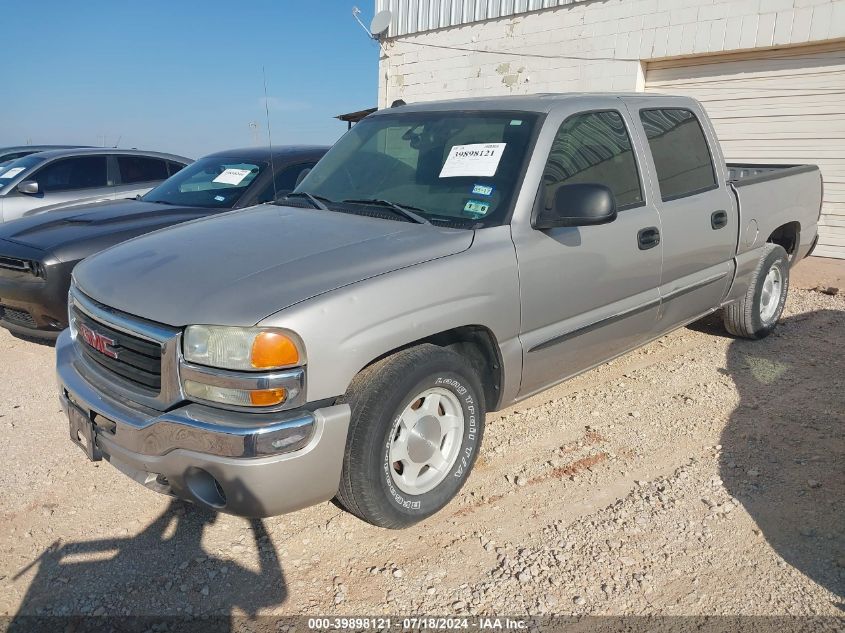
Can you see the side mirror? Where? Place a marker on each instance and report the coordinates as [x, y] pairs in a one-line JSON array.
[[28, 186], [581, 204]]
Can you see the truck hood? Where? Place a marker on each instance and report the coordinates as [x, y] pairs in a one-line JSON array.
[[54, 229], [240, 267]]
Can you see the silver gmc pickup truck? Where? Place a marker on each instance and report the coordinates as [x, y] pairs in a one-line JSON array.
[[442, 260]]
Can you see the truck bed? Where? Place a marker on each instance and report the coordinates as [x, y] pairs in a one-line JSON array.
[[741, 174], [773, 196]]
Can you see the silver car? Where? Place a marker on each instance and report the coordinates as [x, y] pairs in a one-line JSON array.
[[42, 181], [14, 152]]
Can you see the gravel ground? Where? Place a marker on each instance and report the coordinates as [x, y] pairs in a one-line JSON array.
[[697, 475]]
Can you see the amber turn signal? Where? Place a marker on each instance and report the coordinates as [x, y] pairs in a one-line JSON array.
[[267, 397], [272, 349]]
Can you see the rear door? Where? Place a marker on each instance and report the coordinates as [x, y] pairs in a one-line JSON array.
[[588, 293], [136, 175], [698, 215]]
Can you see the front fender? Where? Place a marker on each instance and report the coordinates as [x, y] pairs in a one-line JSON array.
[[346, 329]]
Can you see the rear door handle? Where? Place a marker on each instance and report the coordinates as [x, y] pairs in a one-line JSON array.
[[648, 237], [718, 220]]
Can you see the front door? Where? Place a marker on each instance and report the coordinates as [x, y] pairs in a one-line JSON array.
[[589, 293], [79, 179]]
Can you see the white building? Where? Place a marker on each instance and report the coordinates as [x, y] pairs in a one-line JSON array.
[[771, 73]]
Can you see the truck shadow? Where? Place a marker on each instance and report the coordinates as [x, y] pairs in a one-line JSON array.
[[783, 449], [160, 575]]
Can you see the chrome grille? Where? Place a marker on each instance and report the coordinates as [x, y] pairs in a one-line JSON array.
[[137, 360], [146, 370]]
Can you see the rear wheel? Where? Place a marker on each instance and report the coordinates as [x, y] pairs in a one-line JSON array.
[[416, 428], [757, 313]]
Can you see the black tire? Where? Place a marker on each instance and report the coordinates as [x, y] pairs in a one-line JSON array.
[[378, 396], [743, 316]]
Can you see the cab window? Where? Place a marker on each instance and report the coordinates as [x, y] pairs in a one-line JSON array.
[[681, 155], [68, 174], [141, 169], [594, 147]]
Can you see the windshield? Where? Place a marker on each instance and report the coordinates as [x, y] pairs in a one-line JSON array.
[[13, 169], [209, 182], [448, 166]]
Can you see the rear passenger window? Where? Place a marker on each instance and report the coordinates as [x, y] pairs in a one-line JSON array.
[[594, 147], [141, 169], [67, 174], [681, 155]]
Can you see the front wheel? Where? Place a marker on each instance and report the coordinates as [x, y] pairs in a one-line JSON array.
[[416, 428], [757, 313]]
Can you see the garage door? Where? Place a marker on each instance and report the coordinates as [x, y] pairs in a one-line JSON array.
[[779, 106]]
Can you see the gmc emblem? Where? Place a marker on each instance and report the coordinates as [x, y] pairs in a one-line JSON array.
[[99, 342]]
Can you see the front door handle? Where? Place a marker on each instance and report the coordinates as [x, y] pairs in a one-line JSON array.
[[718, 220], [648, 237]]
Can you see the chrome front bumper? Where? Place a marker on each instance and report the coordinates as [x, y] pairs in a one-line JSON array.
[[243, 463]]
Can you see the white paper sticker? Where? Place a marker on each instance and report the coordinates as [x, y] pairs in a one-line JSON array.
[[479, 159], [12, 172], [232, 176]]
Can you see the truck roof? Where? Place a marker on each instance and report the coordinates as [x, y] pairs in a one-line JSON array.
[[542, 102]]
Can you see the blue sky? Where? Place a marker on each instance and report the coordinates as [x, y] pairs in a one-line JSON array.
[[182, 75]]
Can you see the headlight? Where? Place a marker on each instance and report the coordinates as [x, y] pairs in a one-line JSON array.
[[241, 348], [243, 367]]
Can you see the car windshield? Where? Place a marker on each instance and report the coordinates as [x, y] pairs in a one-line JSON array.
[[209, 182], [453, 167], [12, 169]]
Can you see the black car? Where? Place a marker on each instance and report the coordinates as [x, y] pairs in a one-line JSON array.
[[38, 253]]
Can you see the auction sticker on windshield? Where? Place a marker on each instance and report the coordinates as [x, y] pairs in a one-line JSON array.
[[12, 172], [478, 159], [232, 176]]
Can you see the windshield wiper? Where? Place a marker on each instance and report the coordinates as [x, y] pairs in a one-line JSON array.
[[317, 201], [404, 210]]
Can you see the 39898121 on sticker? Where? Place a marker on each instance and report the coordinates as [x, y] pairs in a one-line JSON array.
[[477, 159]]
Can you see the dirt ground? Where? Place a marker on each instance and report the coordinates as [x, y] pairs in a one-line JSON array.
[[698, 475]]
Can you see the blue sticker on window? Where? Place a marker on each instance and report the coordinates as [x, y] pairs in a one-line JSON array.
[[482, 190], [219, 198]]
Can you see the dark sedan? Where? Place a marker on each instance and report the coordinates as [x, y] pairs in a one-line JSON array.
[[38, 253]]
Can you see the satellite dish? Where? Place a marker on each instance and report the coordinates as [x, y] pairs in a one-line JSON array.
[[380, 24]]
